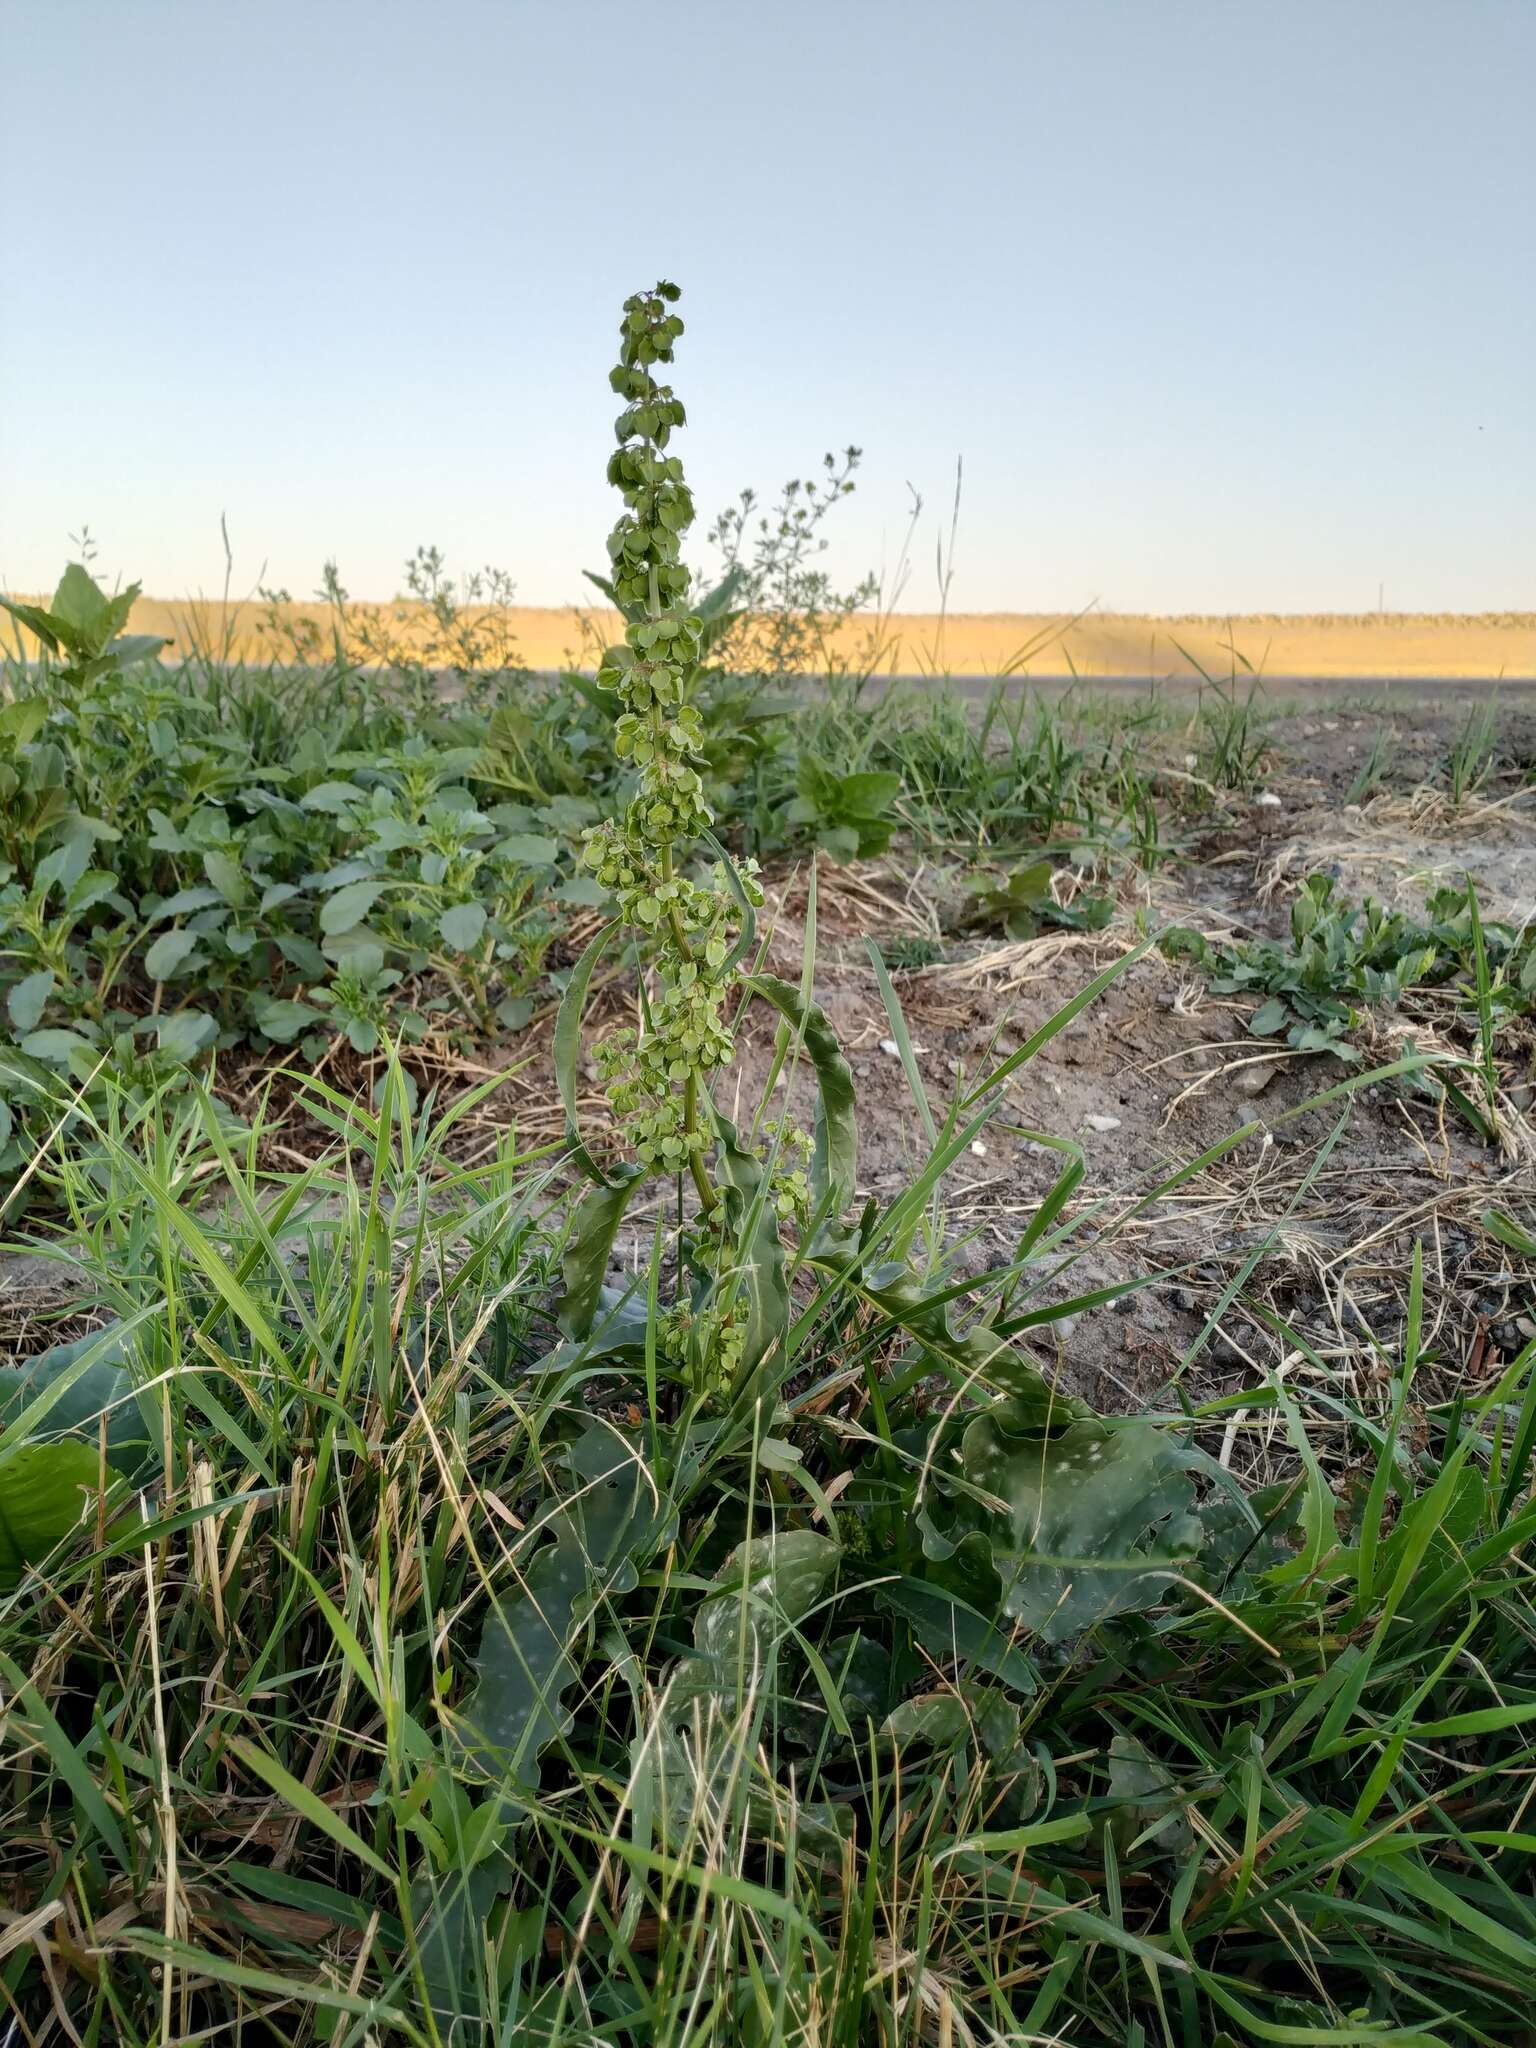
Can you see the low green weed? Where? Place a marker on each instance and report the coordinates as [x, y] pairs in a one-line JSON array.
[[189, 864], [1473, 752], [1232, 723], [1019, 901], [1342, 958], [1373, 772]]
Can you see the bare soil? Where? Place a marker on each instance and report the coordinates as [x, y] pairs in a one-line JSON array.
[[1156, 1071]]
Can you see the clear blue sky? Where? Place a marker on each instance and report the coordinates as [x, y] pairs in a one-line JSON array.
[[1226, 305]]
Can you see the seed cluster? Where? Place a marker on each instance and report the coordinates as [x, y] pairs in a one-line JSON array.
[[653, 1077], [687, 924]]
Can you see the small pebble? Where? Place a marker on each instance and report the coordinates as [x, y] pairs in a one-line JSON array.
[[890, 1048], [978, 1148], [1255, 1079], [1267, 800], [1101, 1123]]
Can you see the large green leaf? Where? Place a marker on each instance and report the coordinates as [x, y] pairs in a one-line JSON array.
[[92, 1381], [42, 1494], [24, 717], [82, 608], [169, 951], [953, 1630], [567, 1047], [37, 621], [450, 1913], [28, 999], [342, 912], [758, 1275], [834, 1169], [1097, 1518], [679, 1767], [719, 600], [973, 1715], [613, 1516], [763, 1590], [588, 1247], [128, 648]]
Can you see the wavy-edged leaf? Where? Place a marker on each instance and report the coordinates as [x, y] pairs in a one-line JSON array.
[[567, 1048], [951, 1629], [759, 1276], [733, 881], [1097, 1518], [614, 1516], [834, 1168], [969, 1714], [42, 1494], [765, 1587], [588, 1246], [617, 1331]]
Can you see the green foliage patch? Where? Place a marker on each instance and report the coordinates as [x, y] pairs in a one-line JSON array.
[[1342, 958]]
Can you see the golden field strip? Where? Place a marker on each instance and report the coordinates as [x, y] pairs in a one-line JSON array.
[[1406, 645]]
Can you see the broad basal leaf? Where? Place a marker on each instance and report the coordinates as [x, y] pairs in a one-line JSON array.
[[43, 1490], [978, 1357], [765, 1587], [1096, 1518], [567, 1047], [28, 999], [98, 1383], [612, 1516], [835, 1166], [348, 907], [588, 1247], [756, 1277], [462, 924]]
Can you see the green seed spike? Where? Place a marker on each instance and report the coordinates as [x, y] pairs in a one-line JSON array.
[[684, 924]]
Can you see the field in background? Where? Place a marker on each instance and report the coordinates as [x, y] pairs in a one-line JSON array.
[[1410, 645]]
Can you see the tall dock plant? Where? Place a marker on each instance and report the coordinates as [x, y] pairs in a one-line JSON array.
[[691, 922]]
